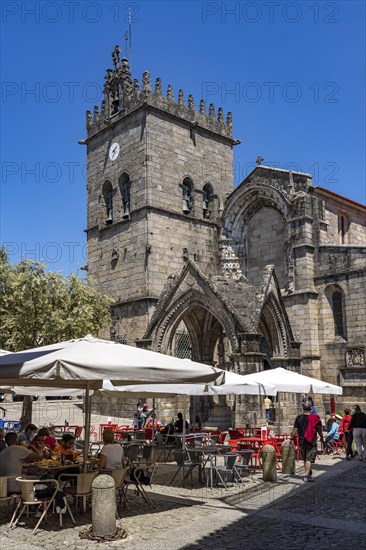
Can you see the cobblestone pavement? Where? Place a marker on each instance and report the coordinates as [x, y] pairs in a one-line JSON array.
[[328, 513]]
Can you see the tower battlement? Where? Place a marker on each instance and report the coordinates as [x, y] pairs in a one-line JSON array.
[[123, 96]]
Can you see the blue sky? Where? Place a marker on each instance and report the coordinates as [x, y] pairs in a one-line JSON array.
[[292, 74]]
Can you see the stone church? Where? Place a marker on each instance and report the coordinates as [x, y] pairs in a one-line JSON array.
[[271, 273]]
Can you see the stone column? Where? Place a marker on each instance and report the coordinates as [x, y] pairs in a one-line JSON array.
[[248, 408]]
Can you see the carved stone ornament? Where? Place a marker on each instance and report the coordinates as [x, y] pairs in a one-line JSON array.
[[355, 357]]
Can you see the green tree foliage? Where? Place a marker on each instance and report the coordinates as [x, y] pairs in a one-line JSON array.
[[39, 307]]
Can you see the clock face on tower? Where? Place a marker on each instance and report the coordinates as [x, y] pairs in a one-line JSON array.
[[114, 151]]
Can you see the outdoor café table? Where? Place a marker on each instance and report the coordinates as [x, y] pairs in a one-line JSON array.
[[209, 455]]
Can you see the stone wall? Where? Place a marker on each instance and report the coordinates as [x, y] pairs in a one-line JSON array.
[[265, 245]]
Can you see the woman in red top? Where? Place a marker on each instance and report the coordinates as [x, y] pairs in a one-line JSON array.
[[344, 428]]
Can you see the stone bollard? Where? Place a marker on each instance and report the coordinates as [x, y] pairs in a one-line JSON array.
[[269, 463], [104, 505], [288, 458]]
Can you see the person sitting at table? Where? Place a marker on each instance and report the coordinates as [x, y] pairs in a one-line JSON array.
[[66, 445], [2, 439], [26, 437], [198, 424], [38, 446], [178, 424], [12, 459], [111, 454], [50, 441]]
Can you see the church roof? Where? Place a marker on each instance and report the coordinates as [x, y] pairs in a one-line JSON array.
[[322, 191]]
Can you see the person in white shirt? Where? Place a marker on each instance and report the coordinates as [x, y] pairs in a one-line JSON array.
[[267, 407], [111, 455], [12, 458]]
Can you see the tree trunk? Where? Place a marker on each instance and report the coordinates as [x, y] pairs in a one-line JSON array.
[[26, 417]]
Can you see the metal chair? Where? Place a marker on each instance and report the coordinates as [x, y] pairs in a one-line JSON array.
[[4, 496], [131, 452], [28, 498], [119, 475], [83, 488], [137, 479], [243, 466], [228, 468], [179, 457]]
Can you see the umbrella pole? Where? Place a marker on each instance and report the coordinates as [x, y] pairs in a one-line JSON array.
[[87, 411], [153, 421], [184, 422], [279, 412]]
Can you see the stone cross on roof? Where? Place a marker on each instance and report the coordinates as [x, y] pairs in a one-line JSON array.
[[115, 56], [259, 160]]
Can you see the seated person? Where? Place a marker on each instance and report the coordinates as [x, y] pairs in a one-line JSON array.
[[111, 455], [12, 459], [333, 434], [66, 445], [38, 446], [26, 437], [50, 441], [178, 424], [198, 424], [2, 439]]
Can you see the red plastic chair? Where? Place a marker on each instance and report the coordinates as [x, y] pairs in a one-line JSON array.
[[221, 438], [78, 431]]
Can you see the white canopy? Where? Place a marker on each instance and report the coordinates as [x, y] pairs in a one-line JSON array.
[[292, 382], [234, 384], [71, 363]]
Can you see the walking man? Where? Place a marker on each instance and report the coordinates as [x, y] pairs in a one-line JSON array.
[[308, 426]]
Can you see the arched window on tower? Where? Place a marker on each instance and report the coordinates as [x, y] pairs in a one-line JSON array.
[[187, 191], [114, 103], [338, 317], [125, 187], [207, 201], [108, 201]]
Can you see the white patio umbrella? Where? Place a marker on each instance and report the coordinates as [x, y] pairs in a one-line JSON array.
[[86, 362], [292, 382], [94, 360], [287, 381], [234, 384]]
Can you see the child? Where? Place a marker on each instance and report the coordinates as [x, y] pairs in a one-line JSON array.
[[135, 422]]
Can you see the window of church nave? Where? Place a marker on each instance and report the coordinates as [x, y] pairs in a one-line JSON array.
[[337, 308], [182, 343], [342, 228]]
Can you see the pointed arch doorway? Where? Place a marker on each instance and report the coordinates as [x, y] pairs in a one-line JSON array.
[[198, 335]]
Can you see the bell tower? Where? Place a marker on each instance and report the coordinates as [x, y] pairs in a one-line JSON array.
[[158, 173]]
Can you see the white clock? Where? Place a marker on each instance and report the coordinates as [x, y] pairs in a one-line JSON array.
[[114, 151]]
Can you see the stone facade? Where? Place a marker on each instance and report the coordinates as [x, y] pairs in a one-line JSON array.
[[270, 274]]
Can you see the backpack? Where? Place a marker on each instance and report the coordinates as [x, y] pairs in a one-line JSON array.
[[140, 474]]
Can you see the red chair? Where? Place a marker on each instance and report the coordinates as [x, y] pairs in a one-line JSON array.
[[233, 444], [78, 431], [233, 434], [92, 432], [221, 438], [338, 446]]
